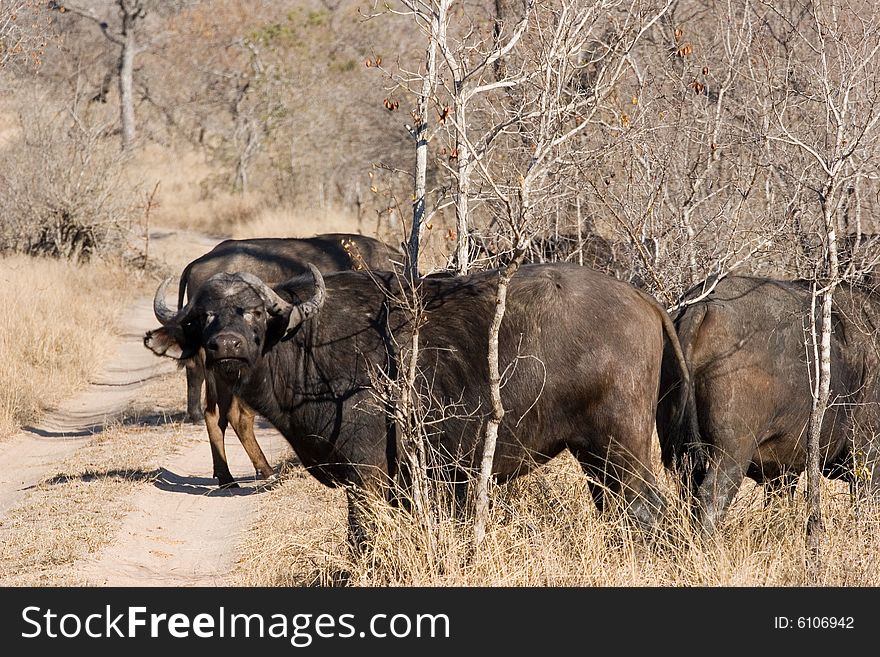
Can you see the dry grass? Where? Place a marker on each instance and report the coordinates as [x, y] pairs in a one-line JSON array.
[[9, 126], [182, 199], [190, 197], [280, 222], [56, 325], [74, 513], [545, 531], [306, 542]]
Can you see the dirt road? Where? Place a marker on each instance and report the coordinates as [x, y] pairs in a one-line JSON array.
[[180, 530]]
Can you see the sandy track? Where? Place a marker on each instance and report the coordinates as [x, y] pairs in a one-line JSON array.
[[183, 530], [38, 450]]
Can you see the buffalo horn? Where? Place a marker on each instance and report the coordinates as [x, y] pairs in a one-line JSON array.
[[165, 315], [275, 305], [309, 308]]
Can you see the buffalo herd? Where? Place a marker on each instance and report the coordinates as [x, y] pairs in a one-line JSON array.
[[311, 333]]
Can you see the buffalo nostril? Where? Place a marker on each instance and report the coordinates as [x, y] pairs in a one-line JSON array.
[[225, 344]]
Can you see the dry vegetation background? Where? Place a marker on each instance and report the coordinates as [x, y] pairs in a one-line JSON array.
[[721, 140]]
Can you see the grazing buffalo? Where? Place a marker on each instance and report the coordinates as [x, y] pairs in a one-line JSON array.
[[748, 347], [581, 353], [274, 260]]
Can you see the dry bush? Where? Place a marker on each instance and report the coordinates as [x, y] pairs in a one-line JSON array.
[[61, 188], [545, 531], [57, 322], [25, 29]]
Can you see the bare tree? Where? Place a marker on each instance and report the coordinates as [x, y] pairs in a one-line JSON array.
[[432, 19], [826, 108], [555, 110], [471, 63], [126, 37]]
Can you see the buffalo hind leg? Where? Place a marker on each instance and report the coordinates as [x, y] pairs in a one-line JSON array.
[[218, 400], [617, 470], [781, 488], [241, 417], [195, 377], [722, 482]]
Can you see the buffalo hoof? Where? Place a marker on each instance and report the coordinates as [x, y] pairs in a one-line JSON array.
[[227, 485], [268, 482], [194, 418]]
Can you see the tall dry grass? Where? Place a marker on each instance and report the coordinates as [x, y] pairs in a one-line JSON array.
[[189, 197], [545, 531], [57, 322]]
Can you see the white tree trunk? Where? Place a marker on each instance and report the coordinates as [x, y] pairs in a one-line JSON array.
[[421, 135], [462, 191], [126, 89], [481, 518], [822, 391]]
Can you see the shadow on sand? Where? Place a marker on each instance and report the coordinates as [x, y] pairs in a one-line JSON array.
[[175, 483], [166, 480], [156, 419], [129, 474]]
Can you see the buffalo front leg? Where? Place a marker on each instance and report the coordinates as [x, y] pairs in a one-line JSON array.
[[195, 377], [359, 520], [241, 417], [217, 402], [368, 487]]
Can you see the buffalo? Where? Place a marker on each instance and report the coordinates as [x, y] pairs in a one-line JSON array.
[[274, 260], [582, 354], [747, 344]]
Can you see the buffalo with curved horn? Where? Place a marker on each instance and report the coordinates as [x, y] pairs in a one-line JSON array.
[[272, 260], [305, 355]]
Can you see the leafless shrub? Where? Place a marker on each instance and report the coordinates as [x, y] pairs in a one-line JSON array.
[[25, 29], [62, 190]]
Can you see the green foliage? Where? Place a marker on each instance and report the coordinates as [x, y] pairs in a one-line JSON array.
[[343, 66], [316, 18], [297, 31]]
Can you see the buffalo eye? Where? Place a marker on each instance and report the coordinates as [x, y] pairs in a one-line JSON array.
[[252, 315]]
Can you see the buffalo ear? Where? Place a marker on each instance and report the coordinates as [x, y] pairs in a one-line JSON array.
[[276, 328], [164, 342]]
